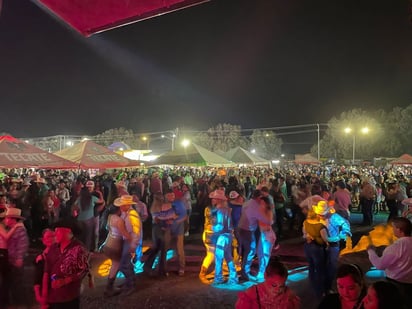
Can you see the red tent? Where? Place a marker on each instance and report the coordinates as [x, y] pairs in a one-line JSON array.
[[93, 16], [403, 159], [88, 154], [15, 153]]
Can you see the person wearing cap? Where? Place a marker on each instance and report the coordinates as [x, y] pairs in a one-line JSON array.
[[338, 230], [17, 246], [209, 238], [84, 207], [66, 264], [342, 198], [235, 203], [223, 228], [134, 228]]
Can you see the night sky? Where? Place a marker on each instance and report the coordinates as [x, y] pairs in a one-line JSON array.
[[254, 63]]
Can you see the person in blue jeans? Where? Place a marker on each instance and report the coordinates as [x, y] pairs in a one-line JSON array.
[[316, 236], [248, 223], [338, 229]]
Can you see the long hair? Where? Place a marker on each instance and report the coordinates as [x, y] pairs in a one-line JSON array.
[[356, 273], [85, 198], [388, 295]]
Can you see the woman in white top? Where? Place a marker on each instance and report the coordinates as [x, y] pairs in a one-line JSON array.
[[112, 247]]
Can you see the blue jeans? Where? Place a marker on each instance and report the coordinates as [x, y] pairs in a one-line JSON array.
[[316, 257], [126, 266], [247, 247], [161, 241], [332, 256], [224, 251], [264, 249]]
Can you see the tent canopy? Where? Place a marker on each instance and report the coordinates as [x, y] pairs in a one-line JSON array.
[[240, 155], [403, 159], [93, 16], [15, 153], [88, 154], [193, 155], [306, 159]]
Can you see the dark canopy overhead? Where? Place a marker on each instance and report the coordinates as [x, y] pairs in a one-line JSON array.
[[93, 16]]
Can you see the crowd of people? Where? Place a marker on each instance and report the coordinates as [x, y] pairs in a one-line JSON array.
[[245, 212]]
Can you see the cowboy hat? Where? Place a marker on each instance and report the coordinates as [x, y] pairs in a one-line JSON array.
[[68, 223], [218, 194], [13, 212], [124, 200], [321, 208]]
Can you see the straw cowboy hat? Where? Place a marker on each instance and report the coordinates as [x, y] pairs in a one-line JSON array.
[[321, 208], [14, 213], [218, 194], [124, 200]]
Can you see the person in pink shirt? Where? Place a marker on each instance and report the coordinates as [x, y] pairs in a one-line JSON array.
[[342, 199]]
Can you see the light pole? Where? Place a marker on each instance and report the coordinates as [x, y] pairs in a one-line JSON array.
[[147, 140], [170, 138], [348, 130]]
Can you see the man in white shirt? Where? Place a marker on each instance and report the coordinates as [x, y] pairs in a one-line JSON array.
[[396, 259]]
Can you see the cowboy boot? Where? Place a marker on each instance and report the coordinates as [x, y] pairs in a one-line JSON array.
[[232, 273]]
